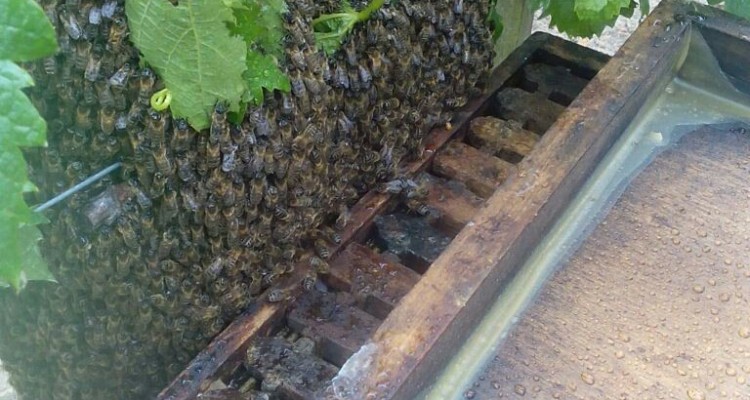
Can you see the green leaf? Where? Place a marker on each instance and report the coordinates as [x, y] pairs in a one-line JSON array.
[[600, 10], [583, 7], [628, 11], [263, 72], [582, 20], [20, 123], [25, 32], [259, 23], [11, 263], [34, 265], [331, 29], [738, 7], [496, 21], [645, 7], [193, 51]]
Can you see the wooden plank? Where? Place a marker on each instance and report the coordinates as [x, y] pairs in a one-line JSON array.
[[289, 369], [533, 110], [655, 293], [226, 351], [733, 55], [455, 204], [411, 238], [376, 283], [556, 82], [583, 61], [467, 277], [480, 172], [334, 322], [495, 135], [257, 320]]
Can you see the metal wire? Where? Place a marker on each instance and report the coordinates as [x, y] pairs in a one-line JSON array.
[[77, 188]]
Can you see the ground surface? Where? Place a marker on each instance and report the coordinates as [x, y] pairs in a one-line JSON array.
[[654, 304], [610, 40]]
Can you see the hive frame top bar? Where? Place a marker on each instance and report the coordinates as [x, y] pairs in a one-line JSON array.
[[485, 255]]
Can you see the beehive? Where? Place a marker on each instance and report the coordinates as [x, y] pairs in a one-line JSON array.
[[155, 261]]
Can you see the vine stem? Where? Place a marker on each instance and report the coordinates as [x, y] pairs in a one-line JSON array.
[[371, 8], [77, 188]]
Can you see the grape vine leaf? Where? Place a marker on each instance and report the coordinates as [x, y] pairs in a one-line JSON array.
[[584, 18], [259, 23], [25, 32], [738, 7], [263, 72], [645, 7], [193, 51]]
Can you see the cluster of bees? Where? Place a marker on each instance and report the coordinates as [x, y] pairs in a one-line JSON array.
[[156, 260]]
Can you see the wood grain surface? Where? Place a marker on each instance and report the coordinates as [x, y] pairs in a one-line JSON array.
[[654, 305]]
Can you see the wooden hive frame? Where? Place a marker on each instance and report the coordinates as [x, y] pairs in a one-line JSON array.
[[430, 322]]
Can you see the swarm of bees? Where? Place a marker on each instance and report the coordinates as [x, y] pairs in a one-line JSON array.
[[153, 262]]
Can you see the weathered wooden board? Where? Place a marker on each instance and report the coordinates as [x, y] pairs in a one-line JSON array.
[[454, 203], [495, 135], [480, 172], [462, 282], [333, 322], [534, 111], [655, 302], [376, 282]]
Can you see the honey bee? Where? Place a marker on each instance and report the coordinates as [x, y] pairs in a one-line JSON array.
[[341, 77], [92, 68], [70, 24], [417, 206], [146, 80], [185, 173], [162, 161], [155, 127], [128, 233], [121, 102], [456, 101], [251, 213], [236, 297], [180, 136], [117, 31], [295, 55], [219, 131], [330, 234], [102, 94], [158, 182], [264, 223], [303, 143], [319, 265], [212, 219], [213, 155], [343, 218], [238, 192], [120, 78], [277, 295], [83, 117], [309, 281], [322, 249], [219, 286], [107, 120], [298, 84], [228, 161]]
